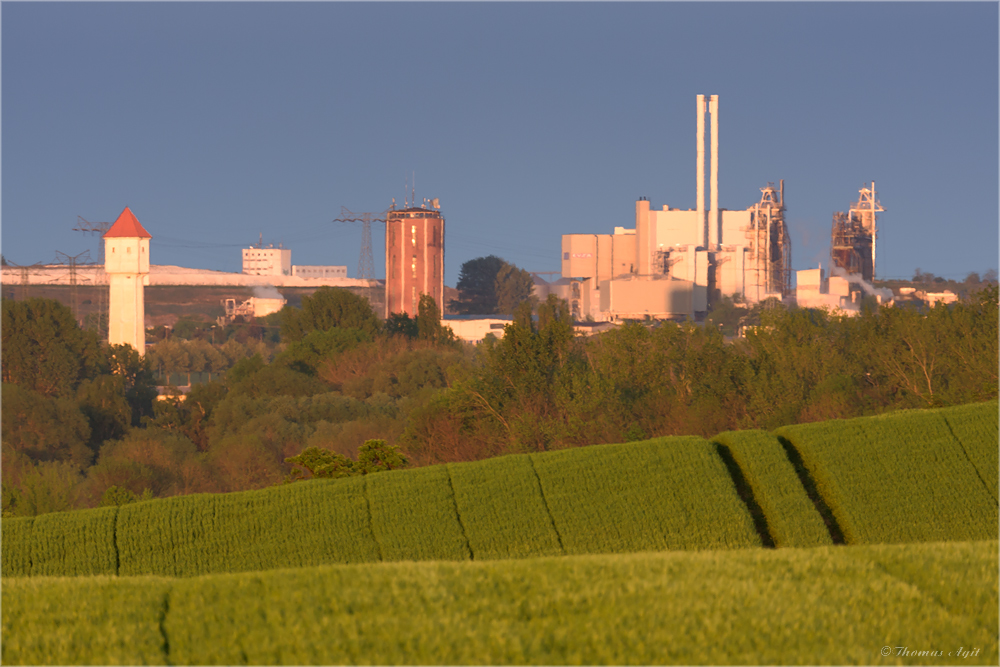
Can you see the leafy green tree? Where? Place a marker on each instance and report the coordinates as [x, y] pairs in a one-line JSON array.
[[377, 456], [137, 381], [319, 463], [307, 354], [488, 285], [102, 400], [244, 463], [275, 379], [727, 316], [553, 309], [192, 416], [122, 472], [373, 456], [428, 322], [44, 350], [44, 428], [143, 459], [49, 486], [328, 307], [116, 496], [185, 328], [401, 324], [477, 285], [513, 286], [243, 369]]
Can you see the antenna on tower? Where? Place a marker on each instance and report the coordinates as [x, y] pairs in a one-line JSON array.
[[413, 189]]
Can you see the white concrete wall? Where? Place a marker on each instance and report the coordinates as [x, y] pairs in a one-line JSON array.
[[170, 275], [623, 254], [672, 228], [579, 255], [474, 331], [730, 273], [734, 226], [635, 298]]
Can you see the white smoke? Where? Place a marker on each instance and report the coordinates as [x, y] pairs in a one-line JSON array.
[[266, 292], [856, 278]]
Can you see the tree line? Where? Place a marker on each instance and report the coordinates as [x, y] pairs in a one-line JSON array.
[[540, 387], [81, 426]]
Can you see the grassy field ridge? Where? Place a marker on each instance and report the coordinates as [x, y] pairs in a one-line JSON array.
[[905, 476], [902, 477]]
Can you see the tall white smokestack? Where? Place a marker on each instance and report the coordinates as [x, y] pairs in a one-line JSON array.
[[713, 216], [701, 169]]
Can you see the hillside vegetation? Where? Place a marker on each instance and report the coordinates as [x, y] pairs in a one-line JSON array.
[[81, 429], [825, 605], [902, 477]]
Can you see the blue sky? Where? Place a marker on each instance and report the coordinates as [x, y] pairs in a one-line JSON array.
[[219, 122]]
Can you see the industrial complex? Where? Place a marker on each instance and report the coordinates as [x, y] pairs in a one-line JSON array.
[[675, 262], [672, 264]]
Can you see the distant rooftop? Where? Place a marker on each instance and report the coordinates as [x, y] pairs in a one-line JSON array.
[[127, 226]]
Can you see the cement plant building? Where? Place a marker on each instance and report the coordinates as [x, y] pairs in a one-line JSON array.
[[674, 262]]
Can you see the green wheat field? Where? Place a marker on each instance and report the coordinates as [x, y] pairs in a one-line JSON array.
[[863, 541]]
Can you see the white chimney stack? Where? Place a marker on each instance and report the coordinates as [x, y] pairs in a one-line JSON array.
[[713, 216], [701, 169]]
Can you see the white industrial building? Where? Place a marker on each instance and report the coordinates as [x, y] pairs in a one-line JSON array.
[[271, 261], [674, 262]]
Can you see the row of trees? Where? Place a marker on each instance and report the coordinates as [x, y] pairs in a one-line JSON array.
[[80, 426], [539, 387], [178, 356]]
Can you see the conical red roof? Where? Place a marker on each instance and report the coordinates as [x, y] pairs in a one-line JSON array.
[[127, 226]]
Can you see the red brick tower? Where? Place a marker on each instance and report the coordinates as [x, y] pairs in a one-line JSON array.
[[414, 259]]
